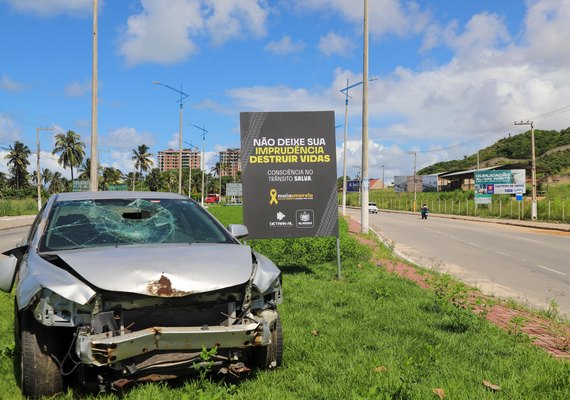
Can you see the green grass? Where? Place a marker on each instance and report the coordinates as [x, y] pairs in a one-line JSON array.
[[379, 337], [18, 207]]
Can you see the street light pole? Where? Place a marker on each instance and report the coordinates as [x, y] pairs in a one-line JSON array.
[[182, 97], [365, 182], [204, 131], [190, 169], [534, 208], [93, 174], [38, 175], [382, 177], [345, 92], [414, 153]]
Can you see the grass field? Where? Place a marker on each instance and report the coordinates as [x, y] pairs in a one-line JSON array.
[[370, 335]]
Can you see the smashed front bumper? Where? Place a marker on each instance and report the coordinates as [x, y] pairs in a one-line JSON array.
[[106, 349]]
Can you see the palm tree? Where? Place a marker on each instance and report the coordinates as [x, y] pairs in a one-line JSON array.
[[57, 184], [47, 176], [154, 180], [111, 176], [70, 148], [3, 182], [142, 158], [18, 162], [85, 169]]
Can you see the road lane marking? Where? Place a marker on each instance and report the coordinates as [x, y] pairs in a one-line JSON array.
[[474, 244], [551, 270], [530, 240], [504, 254]]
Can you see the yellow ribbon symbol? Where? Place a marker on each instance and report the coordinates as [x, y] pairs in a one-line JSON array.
[[273, 194]]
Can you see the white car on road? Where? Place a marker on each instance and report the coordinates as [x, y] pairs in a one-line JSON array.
[[372, 208]]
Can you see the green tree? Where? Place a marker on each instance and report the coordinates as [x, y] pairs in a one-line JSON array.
[[70, 149], [18, 164], [154, 180], [111, 176], [58, 183], [142, 160], [47, 176], [85, 169]]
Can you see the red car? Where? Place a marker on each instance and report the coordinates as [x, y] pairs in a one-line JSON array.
[[212, 198]]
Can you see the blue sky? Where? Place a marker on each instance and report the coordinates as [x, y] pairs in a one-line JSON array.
[[452, 75]]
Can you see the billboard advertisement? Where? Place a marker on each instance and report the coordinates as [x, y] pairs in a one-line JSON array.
[[353, 186], [500, 181], [429, 183], [400, 183], [488, 183], [289, 174], [424, 183]]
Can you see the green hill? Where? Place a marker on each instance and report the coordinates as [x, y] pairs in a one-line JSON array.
[[552, 153]]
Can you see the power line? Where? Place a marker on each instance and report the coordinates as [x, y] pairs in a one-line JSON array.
[[501, 130]]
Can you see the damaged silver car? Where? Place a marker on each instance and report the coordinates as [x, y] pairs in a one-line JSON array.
[[118, 287]]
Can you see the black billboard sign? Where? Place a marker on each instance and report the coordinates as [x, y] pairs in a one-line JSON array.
[[289, 174]]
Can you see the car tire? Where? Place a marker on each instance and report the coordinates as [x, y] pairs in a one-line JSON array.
[[271, 356], [40, 375]]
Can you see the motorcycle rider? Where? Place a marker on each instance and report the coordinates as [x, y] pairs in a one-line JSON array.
[[424, 211]]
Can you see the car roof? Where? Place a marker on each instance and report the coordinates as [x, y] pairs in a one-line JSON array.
[[116, 195]]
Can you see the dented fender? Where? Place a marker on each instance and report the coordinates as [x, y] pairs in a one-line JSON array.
[[36, 274]]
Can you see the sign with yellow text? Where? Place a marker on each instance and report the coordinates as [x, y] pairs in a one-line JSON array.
[[289, 174]]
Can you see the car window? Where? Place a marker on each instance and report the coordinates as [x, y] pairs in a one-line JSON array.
[[115, 222]]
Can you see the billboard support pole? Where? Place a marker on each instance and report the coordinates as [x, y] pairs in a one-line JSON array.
[[338, 256]]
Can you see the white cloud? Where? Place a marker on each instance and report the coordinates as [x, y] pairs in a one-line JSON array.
[[285, 46], [166, 31], [160, 32], [547, 32], [230, 19], [333, 43], [385, 16], [127, 138], [8, 131], [492, 79], [50, 8], [174, 143], [7, 83], [77, 89], [279, 98]]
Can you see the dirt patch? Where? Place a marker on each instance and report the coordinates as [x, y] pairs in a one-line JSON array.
[[552, 336]]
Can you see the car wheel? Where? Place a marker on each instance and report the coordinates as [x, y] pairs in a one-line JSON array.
[[271, 356], [40, 375]]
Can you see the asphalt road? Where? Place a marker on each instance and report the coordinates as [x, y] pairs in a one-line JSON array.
[[9, 238], [529, 265]]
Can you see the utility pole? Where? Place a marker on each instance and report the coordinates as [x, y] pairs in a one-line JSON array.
[[365, 182], [38, 175], [414, 153], [204, 131], [93, 173], [382, 177], [534, 210]]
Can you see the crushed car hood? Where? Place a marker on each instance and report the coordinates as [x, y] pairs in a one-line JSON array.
[[163, 270]]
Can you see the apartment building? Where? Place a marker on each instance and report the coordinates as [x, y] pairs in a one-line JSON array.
[[168, 159], [231, 162]]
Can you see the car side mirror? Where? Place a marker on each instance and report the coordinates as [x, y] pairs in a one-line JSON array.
[[8, 273], [238, 231]]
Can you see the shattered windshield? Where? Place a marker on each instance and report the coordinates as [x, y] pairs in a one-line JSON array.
[[113, 222]]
